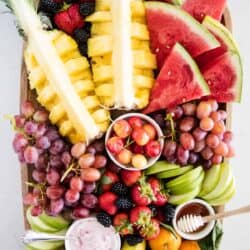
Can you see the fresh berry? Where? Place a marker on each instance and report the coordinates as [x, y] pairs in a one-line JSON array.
[[139, 161], [135, 122], [136, 149], [151, 230], [108, 179], [70, 19], [129, 178], [133, 239], [124, 203], [115, 145], [104, 219], [83, 48], [153, 149], [81, 35], [120, 189], [87, 8], [140, 216], [107, 202], [124, 157], [49, 6], [160, 199], [140, 136], [122, 128], [168, 213], [150, 130], [153, 209], [122, 224], [142, 194], [155, 184]]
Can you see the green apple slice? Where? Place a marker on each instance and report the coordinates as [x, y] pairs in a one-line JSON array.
[[225, 197], [189, 186], [38, 225], [179, 199], [45, 245], [174, 172], [224, 182], [161, 166], [212, 177], [54, 221], [186, 178]]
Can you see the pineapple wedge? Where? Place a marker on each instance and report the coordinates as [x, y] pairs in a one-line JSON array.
[[122, 62], [60, 76]]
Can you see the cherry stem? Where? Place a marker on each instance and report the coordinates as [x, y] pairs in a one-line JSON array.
[[169, 118]]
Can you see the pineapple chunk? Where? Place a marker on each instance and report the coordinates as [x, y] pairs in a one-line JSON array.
[[76, 65], [102, 73], [141, 81], [140, 31], [100, 16], [102, 5], [105, 89], [144, 59], [99, 45], [99, 29]]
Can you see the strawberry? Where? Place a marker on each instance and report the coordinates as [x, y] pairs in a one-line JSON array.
[[108, 179], [107, 202], [155, 184], [70, 19], [129, 178], [160, 199], [140, 216], [142, 193], [151, 230], [122, 224]]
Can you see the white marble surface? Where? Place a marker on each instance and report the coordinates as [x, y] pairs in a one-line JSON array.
[[11, 226]]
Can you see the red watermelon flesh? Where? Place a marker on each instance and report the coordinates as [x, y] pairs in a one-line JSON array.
[[200, 8], [169, 24], [179, 81], [224, 77]]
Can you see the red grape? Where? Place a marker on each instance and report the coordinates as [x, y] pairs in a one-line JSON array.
[[169, 148], [55, 161], [160, 119], [76, 184], [30, 127], [41, 130], [89, 201], [27, 109], [222, 149], [43, 142], [223, 114], [207, 164], [40, 116], [19, 121], [207, 153], [36, 210], [21, 157], [86, 160], [72, 196], [204, 109], [56, 206], [182, 155], [150, 130], [99, 146], [187, 141], [54, 192], [89, 187], [189, 109], [100, 161], [124, 157], [187, 124], [113, 167], [122, 128], [19, 143], [140, 136], [78, 149], [91, 149], [213, 104], [207, 124], [90, 174], [39, 176], [176, 112], [42, 162], [193, 158], [199, 134], [212, 141], [227, 137], [219, 128], [135, 122], [199, 146], [215, 116], [57, 147], [31, 155], [52, 134], [80, 212], [53, 177], [217, 159], [31, 199], [66, 158], [115, 145]]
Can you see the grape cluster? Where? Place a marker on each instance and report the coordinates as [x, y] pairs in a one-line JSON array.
[[64, 175], [196, 134]]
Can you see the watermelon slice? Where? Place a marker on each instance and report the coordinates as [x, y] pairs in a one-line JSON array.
[[169, 24], [224, 77], [200, 8], [179, 81]]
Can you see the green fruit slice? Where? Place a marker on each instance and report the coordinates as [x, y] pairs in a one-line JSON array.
[[179, 199], [174, 172], [57, 222], [224, 182], [189, 186], [186, 178], [212, 177], [161, 166], [38, 225], [225, 197], [45, 245]]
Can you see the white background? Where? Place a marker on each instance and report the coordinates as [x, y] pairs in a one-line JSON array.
[[237, 230]]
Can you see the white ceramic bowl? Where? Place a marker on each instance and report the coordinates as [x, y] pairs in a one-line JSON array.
[[116, 241], [196, 235], [149, 120]]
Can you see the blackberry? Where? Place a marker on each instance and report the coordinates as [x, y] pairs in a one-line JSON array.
[[153, 209], [87, 27], [104, 219], [168, 213], [124, 203], [83, 49], [87, 8], [81, 36], [49, 6], [70, 1], [120, 189], [133, 239]]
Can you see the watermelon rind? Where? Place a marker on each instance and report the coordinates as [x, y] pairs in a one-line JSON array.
[[219, 30], [194, 25], [190, 61]]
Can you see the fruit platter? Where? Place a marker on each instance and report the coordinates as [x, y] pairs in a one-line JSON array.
[[124, 124]]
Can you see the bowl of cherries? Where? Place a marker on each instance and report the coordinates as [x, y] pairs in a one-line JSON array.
[[134, 141]]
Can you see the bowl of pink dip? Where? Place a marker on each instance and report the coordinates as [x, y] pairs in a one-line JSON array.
[[89, 234]]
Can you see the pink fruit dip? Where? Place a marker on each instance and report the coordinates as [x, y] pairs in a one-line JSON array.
[[89, 234]]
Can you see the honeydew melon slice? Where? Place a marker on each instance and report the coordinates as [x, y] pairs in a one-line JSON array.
[[174, 172], [161, 166]]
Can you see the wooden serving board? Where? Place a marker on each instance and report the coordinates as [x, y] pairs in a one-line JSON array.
[[27, 94]]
